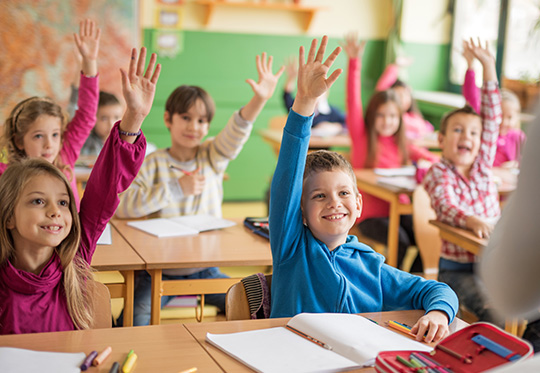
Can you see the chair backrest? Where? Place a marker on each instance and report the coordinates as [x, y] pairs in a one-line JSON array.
[[249, 298], [427, 236], [102, 306]]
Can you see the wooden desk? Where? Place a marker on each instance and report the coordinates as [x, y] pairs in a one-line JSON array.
[[273, 137], [163, 348], [229, 364], [461, 237], [366, 180], [234, 246], [473, 244], [119, 257]]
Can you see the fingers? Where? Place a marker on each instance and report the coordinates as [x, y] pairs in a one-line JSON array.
[[322, 49], [332, 57], [301, 57], [311, 53], [280, 71], [332, 78], [155, 76], [150, 68], [141, 62], [132, 62]]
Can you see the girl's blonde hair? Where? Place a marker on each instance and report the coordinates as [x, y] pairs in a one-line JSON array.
[[77, 275], [378, 99], [21, 118]]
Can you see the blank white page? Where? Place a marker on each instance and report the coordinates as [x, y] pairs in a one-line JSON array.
[[162, 228], [203, 222], [17, 360]]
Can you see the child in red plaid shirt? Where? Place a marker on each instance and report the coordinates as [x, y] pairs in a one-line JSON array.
[[461, 187]]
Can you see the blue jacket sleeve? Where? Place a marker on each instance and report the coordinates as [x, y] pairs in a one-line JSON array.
[[402, 290], [285, 216]]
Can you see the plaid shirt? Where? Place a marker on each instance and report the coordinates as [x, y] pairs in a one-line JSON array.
[[453, 197]]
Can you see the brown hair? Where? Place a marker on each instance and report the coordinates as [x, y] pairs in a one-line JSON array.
[[185, 96], [106, 99], [21, 118], [325, 160], [413, 108], [467, 109], [378, 99], [77, 275]]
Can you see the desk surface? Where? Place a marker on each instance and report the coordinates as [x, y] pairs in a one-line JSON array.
[[116, 257], [160, 348], [230, 364], [461, 237], [234, 246], [315, 142]]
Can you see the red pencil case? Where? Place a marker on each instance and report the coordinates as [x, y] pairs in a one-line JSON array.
[[479, 347]]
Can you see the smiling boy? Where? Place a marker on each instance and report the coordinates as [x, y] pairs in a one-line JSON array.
[[461, 188], [314, 202]]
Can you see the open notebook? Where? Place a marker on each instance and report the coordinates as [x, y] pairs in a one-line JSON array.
[[18, 360], [354, 341], [181, 225]]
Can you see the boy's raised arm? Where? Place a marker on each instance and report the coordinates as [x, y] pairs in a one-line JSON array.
[[263, 89]]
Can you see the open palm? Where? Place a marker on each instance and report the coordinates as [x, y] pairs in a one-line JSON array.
[[266, 85]]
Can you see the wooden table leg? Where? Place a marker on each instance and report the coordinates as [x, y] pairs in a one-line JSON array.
[[129, 289], [157, 292], [511, 326], [393, 234]]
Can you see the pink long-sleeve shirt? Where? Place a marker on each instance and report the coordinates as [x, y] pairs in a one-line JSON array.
[[416, 127], [388, 153], [508, 145], [31, 303], [78, 130]]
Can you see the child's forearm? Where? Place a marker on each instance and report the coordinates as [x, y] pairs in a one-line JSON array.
[[131, 122], [304, 106], [89, 67], [253, 108]]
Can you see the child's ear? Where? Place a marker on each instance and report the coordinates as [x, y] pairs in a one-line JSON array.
[[359, 205], [19, 144], [167, 118], [304, 221], [440, 137], [10, 224]]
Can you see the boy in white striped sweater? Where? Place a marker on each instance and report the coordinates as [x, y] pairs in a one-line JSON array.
[[193, 185]]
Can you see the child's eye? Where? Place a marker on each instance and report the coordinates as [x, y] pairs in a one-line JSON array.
[[202, 121], [38, 136], [344, 193], [318, 196], [56, 134], [185, 117], [38, 201], [63, 203]]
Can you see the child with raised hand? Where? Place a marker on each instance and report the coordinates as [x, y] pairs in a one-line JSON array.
[[45, 245], [416, 127], [511, 138], [378, 141], [461, 187], [36, 127], [187, 177], [314, 203]]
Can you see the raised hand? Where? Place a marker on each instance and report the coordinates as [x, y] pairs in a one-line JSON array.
[[352, 46], [291, 72], [267, 82], [87, 42], [312, 76], [138, 88], [486, 58]]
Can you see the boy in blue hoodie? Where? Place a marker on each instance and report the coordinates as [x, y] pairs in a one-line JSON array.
[[314, 202]]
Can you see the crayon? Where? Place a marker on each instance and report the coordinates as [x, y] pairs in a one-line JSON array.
[[190, 370], [115, 367], [88, 361], [130, 362], [102, 356]]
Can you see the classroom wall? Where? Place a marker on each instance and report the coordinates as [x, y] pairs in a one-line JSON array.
[[220, 56]]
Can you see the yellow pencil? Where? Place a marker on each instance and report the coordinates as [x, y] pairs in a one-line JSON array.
[[190, 370]]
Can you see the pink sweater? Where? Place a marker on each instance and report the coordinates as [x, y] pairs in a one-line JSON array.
[[388, 154], [78, 130], [32, 303], [416, 127], [508, 145]]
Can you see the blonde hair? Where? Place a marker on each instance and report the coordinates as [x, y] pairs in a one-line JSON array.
[[77, 277], [21, 118], [508, 95]]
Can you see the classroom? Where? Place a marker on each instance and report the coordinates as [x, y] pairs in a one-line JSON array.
[[174, 283]]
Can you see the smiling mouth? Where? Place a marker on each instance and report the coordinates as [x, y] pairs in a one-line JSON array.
[[463, 148], [52, 228], [334, 217]]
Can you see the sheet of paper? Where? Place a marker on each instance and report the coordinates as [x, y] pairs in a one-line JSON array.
[[400, 171], [105, 238], [404, 182], [17, 360], [203, 222], [279, 350], [353, 336], [162, 228]]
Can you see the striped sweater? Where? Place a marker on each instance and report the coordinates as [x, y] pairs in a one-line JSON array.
[[156, 191]]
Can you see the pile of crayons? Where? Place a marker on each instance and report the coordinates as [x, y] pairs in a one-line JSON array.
[[96, 359], [423, 364]]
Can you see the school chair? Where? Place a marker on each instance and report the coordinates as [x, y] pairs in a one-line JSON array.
[[428, 239], [102, 306], [249, 298]]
